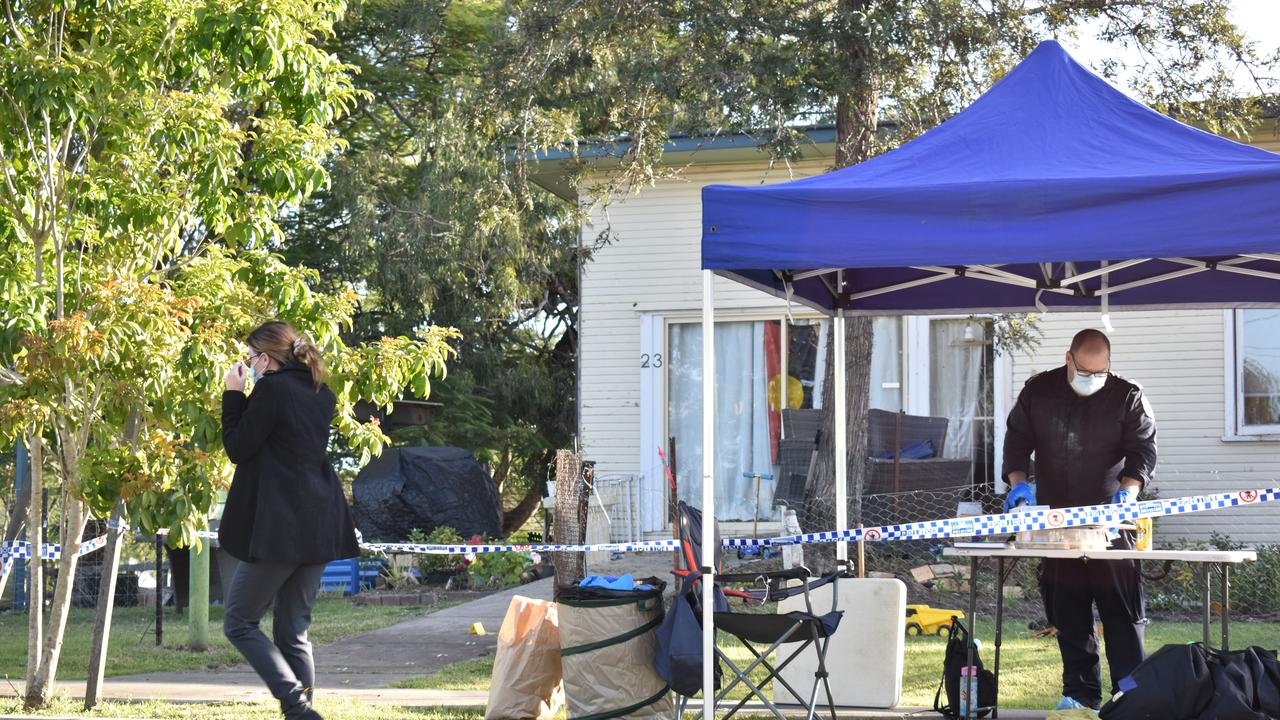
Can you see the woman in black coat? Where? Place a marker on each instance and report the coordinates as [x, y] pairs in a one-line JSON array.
[[286, 516]]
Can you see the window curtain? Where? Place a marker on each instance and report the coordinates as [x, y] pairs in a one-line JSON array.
[[955, 360], [886, 364], [742, 416], [1260, 372]]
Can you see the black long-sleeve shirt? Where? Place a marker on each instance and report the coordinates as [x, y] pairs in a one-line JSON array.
[[1082, 445]]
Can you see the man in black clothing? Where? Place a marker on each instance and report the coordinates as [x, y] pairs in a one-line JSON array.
[[1094, 441]]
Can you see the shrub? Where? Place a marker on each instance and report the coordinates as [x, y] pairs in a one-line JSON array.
[[430, 564]]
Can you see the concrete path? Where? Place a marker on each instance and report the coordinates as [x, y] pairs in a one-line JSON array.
[[383, 657]]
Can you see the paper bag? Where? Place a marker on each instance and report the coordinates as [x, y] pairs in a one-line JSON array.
[[526, 681]]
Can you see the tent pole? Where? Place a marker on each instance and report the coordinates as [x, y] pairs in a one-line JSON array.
[[709, 550], [783, 376], [841, 427]]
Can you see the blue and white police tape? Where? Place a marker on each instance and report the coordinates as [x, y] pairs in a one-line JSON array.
[[978, 525], [648, 546], [22, 549], [1021, 521]]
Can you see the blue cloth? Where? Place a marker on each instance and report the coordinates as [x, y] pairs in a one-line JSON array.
[[1051, 164], [919, 450], [1122, 496], [1020, 494], [625, 582]]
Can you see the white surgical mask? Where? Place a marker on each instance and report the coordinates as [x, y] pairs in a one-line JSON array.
[[253, 371], [1086, 386]]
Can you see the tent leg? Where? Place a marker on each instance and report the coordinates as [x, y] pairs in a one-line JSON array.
[[841, 430], [709, 551]]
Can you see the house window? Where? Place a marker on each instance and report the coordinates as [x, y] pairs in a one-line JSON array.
[[1257, 372], [748, 359], [743, 422], [961, 389]]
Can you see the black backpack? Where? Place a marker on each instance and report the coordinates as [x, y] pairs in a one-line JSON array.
[[955, 658]]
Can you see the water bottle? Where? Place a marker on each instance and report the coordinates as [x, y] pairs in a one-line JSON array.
[[973, 691], [964, 691]]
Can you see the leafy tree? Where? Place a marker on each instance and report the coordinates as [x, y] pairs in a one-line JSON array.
[[426, 218], [152, 144], [880, 71]]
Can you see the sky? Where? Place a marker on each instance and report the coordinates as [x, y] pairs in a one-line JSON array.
[[1260, 20]]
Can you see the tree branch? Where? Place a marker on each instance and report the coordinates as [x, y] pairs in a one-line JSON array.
[[11, 377], [1079, 5]]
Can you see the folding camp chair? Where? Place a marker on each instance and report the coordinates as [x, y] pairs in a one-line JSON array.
[[805, 628]]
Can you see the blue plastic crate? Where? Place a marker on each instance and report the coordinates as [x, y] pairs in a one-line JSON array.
[[350, 576], [341, 576]]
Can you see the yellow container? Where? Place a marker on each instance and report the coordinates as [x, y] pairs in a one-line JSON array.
[[1145, 532]]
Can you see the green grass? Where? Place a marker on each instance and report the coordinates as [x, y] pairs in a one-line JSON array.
[[467, 675], [1030, 668], [330, 709], [133, 646]]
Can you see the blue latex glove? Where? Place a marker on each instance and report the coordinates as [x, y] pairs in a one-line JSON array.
[[1020, 494], [1123, 496]]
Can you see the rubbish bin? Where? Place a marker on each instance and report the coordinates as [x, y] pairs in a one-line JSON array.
[[607, 643]]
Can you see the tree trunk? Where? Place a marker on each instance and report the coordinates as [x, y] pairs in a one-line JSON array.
[[40, 688], [857, 113], [116, 529], [106, 604], [35, 573], [820, 508], [516, 517]]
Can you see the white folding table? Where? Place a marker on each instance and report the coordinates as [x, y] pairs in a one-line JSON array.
[[1007, 558]]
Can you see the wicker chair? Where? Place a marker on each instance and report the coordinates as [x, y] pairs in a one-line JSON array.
[[889, 432]]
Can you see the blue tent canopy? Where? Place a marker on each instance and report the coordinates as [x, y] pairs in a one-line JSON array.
[[1053, 190]]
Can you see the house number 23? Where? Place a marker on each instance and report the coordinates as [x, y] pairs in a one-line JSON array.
[[654, 360]]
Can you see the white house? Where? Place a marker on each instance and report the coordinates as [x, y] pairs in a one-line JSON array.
[[1210, 374]]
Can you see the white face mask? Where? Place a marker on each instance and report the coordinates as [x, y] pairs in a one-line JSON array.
[[253, 372], [1086, 386]]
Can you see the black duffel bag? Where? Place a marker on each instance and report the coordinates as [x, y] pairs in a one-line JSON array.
[[1191, 682]]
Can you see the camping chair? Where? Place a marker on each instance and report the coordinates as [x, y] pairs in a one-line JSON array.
[[754, 631]]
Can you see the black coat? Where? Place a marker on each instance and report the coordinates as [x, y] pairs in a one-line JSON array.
[[1082, 445], [285, 504]]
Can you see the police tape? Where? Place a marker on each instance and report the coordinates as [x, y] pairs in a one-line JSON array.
[[647, 546], [971, 526], [21, 549], [1023, 520]]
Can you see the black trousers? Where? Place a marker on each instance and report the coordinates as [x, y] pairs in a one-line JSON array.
[[283, 661], [1071, 589]]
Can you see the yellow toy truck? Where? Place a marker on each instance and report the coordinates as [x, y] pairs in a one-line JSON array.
[[925, 620]]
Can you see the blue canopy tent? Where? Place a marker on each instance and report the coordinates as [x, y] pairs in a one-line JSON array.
[[1053, 190]]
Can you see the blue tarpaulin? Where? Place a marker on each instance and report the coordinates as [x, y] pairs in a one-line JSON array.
[[1053, 189]]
